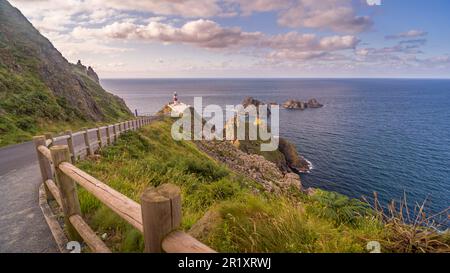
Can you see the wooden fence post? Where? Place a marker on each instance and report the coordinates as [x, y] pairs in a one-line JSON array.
[[115, 132], [49, 136], [161, 214], [44, 164], [87, 142], [108, 136], [67, 188], [73, 156], [99, 137]]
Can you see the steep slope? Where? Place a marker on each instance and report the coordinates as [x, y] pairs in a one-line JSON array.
[[40, 90]]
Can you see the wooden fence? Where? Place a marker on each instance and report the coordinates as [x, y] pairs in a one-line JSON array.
[[158, 216]]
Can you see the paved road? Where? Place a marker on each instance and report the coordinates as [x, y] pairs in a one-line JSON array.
[[22, 225]]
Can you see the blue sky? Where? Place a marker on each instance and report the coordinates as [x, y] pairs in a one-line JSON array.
[[241, 38]]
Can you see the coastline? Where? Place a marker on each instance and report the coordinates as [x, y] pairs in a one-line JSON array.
[[239, 202]]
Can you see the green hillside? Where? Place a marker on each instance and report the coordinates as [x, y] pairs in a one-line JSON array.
[[40, 90], [231, 212]]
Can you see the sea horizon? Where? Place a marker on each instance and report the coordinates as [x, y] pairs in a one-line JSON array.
[[275, 78]]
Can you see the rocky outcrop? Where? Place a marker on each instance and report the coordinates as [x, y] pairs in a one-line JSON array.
[[285, 157], [252, 101], [293, 160], [291, 180], [313, 103], [253, 166], [91, 73], [300, 105], [294, 104], [88, 71]]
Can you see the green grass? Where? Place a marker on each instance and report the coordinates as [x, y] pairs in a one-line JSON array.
[[28, 108], [240, 217]]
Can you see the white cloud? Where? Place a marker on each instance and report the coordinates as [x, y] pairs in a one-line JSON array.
[[110, 28], [409, 34], [290, 55], [295, 40], [184, 8], [247, 7], [208, 34], [336, 15], [201, 33]]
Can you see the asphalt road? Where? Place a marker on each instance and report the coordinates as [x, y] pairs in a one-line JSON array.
[[22, 225], [23, 228]]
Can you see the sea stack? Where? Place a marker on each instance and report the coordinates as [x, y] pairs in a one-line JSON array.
[[300, 105]]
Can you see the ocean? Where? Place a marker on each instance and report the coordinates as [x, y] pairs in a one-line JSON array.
[[390, 136]]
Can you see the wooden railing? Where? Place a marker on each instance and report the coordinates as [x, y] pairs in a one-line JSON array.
[[158, 216]]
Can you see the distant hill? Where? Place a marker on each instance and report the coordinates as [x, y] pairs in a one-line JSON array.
[[40, 90]]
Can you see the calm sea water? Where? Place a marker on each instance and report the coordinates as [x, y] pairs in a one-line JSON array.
[[388, 136]]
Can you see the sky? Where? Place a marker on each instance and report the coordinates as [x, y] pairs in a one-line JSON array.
[[250, 39]]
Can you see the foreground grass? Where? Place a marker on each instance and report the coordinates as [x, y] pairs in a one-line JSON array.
[[240, 217]]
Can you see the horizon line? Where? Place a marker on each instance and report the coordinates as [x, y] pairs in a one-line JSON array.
[[276, 78]]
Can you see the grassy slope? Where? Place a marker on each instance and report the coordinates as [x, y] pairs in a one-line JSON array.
[[241, 218], [28, 103], [28, 108]]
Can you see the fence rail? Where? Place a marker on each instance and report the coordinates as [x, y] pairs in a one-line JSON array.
[[158, 216]]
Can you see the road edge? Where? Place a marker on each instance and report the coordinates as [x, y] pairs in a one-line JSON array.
[[60, 238]]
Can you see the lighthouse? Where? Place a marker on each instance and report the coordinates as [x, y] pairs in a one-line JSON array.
[[175, 98], [176, 106]]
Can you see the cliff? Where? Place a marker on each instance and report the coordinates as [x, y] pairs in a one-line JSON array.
[[39, 88]]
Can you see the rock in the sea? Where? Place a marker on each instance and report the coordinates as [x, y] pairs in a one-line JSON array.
[[300, 105], [294, 104], [313, 103], [293, 159], [252, 101]]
